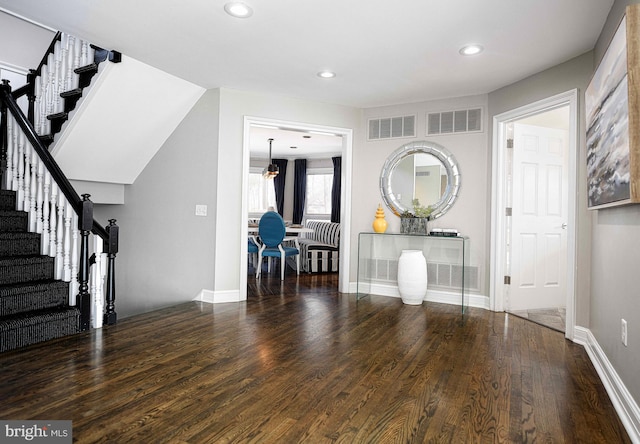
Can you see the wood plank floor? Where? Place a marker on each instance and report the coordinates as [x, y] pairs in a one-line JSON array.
[[300, 362]]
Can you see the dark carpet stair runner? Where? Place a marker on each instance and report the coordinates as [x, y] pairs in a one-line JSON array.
[[33, 306]]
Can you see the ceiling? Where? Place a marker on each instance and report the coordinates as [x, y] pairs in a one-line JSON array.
[[383, 52], [307, 145]]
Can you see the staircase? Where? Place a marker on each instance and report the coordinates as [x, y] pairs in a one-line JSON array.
[[33, 306], [55, 259]]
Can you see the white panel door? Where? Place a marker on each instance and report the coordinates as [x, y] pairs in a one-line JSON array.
[[539, 216]]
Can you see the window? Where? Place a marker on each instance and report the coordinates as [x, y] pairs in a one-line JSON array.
[[319, 184], [262, 194]]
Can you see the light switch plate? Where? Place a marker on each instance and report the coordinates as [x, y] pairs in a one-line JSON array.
[[201, 210]]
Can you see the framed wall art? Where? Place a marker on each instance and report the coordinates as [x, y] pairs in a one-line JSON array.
[[612, 114]]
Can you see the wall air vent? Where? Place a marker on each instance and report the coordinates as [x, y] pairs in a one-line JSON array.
[[454, 122], [392, 127]]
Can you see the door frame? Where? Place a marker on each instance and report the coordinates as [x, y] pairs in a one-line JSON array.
[[498, 289], [345, 199]]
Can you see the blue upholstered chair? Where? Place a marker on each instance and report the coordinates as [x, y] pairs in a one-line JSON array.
[[272, 231], [252, 249]]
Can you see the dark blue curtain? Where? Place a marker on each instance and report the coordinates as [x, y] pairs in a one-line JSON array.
[[336, 189], [279, 182], [299, 190]]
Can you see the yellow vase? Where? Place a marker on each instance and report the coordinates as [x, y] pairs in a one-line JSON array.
[[379, 223]]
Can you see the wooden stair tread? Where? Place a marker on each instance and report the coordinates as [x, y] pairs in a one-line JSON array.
[[91, 67], [71, 93], [60, 115]]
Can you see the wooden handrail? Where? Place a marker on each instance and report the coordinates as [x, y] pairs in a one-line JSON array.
[[56, 173]]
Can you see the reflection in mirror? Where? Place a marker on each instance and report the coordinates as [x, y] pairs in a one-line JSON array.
[[421, 176], [420, 170]]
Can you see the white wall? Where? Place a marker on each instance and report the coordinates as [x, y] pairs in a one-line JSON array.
[[471, 150]]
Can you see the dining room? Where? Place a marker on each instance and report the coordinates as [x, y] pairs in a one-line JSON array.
[[295, 174]]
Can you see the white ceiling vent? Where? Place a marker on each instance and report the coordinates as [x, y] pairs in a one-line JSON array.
[[392, 127], [454, 122]]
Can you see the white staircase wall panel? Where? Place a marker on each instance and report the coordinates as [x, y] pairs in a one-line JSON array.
[[127, 114]]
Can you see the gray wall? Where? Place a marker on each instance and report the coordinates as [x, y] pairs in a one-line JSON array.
[[469, 214], [567, 76], [28, 42], [615, 280], [608, 240], [166, 252]]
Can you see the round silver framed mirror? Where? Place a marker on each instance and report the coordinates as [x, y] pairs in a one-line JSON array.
[[420, 170]]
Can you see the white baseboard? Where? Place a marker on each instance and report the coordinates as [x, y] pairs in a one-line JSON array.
[[217, 297], [444, 297], [623, 402]]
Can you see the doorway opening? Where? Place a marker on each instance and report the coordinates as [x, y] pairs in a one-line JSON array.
[[533, 215], [340, 141]]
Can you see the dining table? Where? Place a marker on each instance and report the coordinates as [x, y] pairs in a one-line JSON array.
[[291, 229]]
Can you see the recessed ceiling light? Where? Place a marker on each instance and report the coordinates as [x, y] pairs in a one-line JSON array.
[[326, 74], [238, 9], [468, 50]]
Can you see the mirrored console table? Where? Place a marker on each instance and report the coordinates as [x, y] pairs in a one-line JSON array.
[[447, 259]]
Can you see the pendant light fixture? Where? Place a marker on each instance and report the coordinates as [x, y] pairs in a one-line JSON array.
[[271, 170]]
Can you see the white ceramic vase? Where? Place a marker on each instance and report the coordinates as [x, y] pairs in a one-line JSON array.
[[412, 277]]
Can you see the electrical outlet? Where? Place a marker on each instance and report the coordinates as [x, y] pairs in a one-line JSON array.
[[624, 332]]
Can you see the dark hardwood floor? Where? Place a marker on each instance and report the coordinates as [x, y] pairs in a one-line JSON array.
[[300, 362]]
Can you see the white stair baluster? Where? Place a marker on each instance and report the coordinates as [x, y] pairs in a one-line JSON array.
[[84, 57], [41, 90], [91, 54], [43, 102], [33, 187], [66, 268], [67, 60], [36, 104], [46, 204], [42, 121], [96, 284], [75, 255], [51, 90], [12, 154], [20, 166], [60, 238], [64, 51], [59, 77], [39, 167], [53, 218], [76, 59], [26, 175]]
